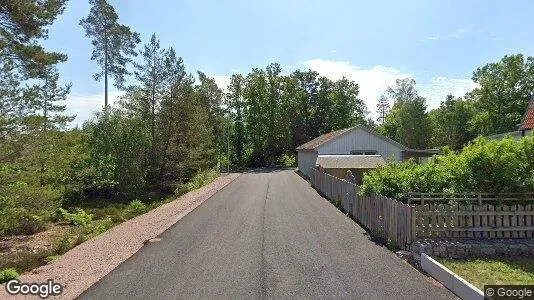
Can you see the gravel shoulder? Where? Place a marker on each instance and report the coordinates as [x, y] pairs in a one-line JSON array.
[[87, 263]]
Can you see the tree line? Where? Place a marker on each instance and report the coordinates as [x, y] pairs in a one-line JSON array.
[[171, 124], [496, 106]]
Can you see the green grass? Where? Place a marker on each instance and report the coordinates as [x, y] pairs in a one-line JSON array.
[[483, 271]]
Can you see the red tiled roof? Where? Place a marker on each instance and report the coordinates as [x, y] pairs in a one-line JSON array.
[[528, 119], [311, 145]]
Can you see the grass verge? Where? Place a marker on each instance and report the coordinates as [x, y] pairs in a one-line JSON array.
[[502, 270]]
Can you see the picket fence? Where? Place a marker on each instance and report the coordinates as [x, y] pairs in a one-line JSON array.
[[401, 224], [386, 218]]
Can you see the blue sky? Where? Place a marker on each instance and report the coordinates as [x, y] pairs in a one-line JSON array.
[[439, 43]]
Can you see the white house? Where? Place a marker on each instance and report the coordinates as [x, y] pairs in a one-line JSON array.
[[360, 143]]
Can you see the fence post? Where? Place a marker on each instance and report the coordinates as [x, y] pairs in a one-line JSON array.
[[413, 223], [479, 199]]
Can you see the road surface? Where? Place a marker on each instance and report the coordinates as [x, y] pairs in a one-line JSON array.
[[266, 235]]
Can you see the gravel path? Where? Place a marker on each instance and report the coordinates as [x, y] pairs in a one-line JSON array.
[[87, 263]]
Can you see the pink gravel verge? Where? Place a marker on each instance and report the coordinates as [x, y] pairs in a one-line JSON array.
[[87, 263]]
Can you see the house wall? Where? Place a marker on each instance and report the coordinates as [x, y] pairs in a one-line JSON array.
[[306, 160], [341, 173], [359, 139]]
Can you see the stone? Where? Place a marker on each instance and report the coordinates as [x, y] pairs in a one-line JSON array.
[[404, 254], [488, 251]]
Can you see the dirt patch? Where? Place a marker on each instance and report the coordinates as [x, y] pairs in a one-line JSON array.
[[14, 249], [87, 263]]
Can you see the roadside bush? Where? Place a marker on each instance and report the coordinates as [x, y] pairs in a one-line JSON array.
[[97, 227], [135, 208], [117, 212], [8, 274], [199, 180], [482, 166], [63, 244], [15, 219], [287, 160], [79, 218]]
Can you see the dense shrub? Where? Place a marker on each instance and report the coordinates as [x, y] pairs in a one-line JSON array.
[[199, 180], [97, 227], [78, 218], [482, 166], [15, 219], [287, 160], [8, 274], [135, 208]]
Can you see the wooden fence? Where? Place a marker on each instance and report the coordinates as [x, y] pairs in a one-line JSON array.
[[388, 219], [474, 198], [402, 223], [474, 221]]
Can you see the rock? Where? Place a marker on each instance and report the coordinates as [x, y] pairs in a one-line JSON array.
[[488, 251]]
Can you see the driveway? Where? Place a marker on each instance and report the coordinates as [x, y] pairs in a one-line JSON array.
[[266, 235]]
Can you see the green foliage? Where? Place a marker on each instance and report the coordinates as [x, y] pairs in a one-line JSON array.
[[407, 122], [63, 244], [77, 218], [482, 166], [449, 123], [272, 113], [21, 24], [199, 180], [287, 160], [8, 274], [136, 207], [97, 227], [114, 43], [15, 219], [504, 90]]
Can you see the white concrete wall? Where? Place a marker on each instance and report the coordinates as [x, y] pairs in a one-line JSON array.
[[306, 160], [359, 139], [449, 279]]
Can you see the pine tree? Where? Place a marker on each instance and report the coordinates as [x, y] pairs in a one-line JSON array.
[[113, 43], [49, 93], [383, 108], [151, 75], [22, 22]]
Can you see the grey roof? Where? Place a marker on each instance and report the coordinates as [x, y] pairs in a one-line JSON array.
[[350, 161], [315, 143], [318, 141]]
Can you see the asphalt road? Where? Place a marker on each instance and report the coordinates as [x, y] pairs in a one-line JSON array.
[[266, 235]]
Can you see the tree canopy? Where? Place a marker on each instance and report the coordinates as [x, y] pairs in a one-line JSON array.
[[22, 24]]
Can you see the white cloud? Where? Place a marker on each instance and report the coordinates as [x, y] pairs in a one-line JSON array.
[[85, 105], [459, 33], [439, 87], [223, 81], [374, 81]]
